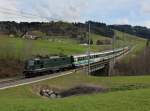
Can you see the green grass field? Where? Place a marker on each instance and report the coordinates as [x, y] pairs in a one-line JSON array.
[[22, 49], [126, 94], [16, 48]]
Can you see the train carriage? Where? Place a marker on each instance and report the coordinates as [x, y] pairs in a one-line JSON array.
[[82, 60]]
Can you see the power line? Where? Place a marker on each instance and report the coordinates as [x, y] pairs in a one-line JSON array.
[[14, 14], [7, 9], [21, 12], [25, 14]]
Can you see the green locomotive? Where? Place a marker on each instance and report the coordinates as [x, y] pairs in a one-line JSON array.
[[39, 66]]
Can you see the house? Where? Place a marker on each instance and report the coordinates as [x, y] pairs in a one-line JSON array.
[[31, 35], [103, 42]]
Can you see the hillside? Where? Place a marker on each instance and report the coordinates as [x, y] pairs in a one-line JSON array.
[[15, 50], [125, 39]]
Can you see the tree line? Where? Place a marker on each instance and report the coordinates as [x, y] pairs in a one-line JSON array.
[[139, 31], [55, 28], [71, 29]]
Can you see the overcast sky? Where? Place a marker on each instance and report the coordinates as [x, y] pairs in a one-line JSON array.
[[134, 12]]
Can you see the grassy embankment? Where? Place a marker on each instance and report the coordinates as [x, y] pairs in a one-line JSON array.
[[128, 94]]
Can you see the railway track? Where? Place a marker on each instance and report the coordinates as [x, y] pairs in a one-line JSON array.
[[11, 80], [25, 81]]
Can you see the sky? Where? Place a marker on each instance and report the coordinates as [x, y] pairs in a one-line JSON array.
[[134, 12]]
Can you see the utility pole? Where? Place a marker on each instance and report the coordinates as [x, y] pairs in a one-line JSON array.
[[124, 43], [113, 47], [89, 46], [148, 42], [112, 62]]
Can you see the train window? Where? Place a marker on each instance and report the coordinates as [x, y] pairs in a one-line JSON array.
[[55, 59], [79, 59], [63, 59], [75, 59], [83, 58], [90, 57], [31, 63], [87, 57], [37, 61]]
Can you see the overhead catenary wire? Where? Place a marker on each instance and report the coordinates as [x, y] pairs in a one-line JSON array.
[[22, 14]]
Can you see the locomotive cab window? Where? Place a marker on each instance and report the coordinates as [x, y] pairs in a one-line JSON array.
[[55, 59], [63, 59], [31, 63], [37, 62]]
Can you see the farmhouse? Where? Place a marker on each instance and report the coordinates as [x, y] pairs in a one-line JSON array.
[[31, 35], [103, 42]]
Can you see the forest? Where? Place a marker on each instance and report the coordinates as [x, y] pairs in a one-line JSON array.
[[61, 28]]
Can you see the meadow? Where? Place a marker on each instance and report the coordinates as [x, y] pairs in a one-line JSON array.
[[21, 49], [130, 93], [17, 48]]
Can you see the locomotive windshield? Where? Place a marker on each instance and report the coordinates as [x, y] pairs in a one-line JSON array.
[[30, 62]]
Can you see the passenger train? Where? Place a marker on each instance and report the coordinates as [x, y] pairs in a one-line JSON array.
[[39, 66]]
